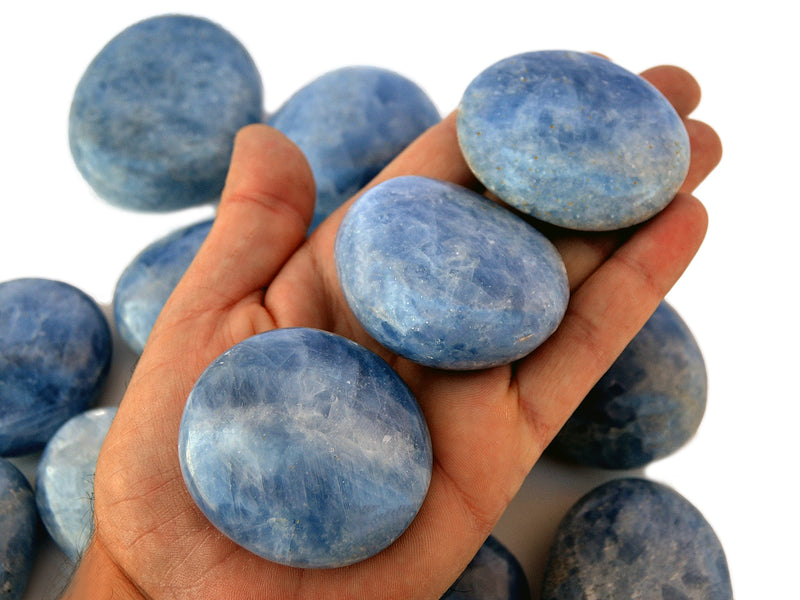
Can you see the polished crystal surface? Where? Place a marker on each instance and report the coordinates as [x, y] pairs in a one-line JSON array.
[[494, 574], [305, 448], [18, 530]]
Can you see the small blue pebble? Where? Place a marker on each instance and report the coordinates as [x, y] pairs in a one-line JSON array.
[[494, 574], [55, 354], [18, 530], [573, 140], [65, 479], [153, 118], [305, 448], [447, 278], [150, 278], [649, 403], [633, 538], [350, 123]]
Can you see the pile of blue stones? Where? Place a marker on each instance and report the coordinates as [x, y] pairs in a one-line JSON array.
[[323, 450]]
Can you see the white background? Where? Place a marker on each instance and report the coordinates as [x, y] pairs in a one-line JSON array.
[[738, 297]]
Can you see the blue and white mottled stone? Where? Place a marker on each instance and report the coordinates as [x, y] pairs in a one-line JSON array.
[[649, 403], [150, 278], [634, 538], [55, 354], [447, 278], [573, 139], [494, 574], [65, 479], [153, 118], [305, 448], [18, 531], [350, 123]]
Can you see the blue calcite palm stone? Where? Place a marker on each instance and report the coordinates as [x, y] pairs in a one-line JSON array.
[[634, 538], [573, 139], [350, 123], [305, 448], [494, 574], [447, 278], [65, 479], [18, 531], [649, 403], [55, 354], [153, 118], [149, 279]]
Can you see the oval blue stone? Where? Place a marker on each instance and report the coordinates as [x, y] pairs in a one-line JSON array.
[[305, 448], [494, 574], [446, 277], [55, 354], [350, 123], [634, 538], [149, 279], [18, 529], [573, 139], [154, 115], [65, 479], [649, 403]]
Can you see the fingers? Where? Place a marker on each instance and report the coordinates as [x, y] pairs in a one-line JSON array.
[[706, 151], [678, 85]]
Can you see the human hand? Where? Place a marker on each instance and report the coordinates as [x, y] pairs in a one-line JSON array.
[[258, 271]]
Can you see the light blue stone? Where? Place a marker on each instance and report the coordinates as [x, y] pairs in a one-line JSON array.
[[305, 448], [148, 281], [649, 403], [634, 538], [494, 574], [18, 523], [350, 123], [153, 118], [55, 354], [573, 139], [65, 479], [447, 278]]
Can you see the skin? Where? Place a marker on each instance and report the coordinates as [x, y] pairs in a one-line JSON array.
[[256, 271]]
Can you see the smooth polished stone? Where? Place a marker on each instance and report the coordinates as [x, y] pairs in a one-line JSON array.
[[154, 115], [648, 405], [65, 479], [55, 354], [494, 574], [305, 448], [634, 538], [18, 523], [350, 123], [573, 139], [147, 282], [447, 278]]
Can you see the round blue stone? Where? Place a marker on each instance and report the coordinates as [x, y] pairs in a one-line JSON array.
[[494, 574], [154, 116], [649, 403], [633, 538], [447, 278], [573, 139], [150, 278], [18, 529], [305, 448], [55, 354], [350, 123], [65, 479]]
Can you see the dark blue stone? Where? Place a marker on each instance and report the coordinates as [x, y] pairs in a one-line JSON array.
[[305, 448], [633, 538], [447, 278], [65, 479], [494, 574], [154, 116], [150, 278], [350, 123], [649, 403], [55, 353], [18, 523], [573, 139]]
